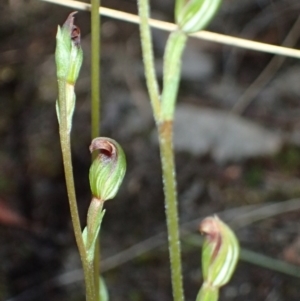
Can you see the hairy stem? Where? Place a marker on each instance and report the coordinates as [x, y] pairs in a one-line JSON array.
[[148, 57], [166, 147], [170, 190]]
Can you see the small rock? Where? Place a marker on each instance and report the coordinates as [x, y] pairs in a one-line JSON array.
[[225, 136]]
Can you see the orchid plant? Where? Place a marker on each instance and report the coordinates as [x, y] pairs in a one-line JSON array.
[[220, 249]]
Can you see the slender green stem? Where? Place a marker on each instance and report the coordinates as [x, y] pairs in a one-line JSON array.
[[95, 109], [148, 57], [166, 146], [67, 162], [95, 68], [170, 191], [65, 145], [172, 69]]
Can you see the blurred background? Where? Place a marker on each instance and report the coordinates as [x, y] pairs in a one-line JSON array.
[[237, 143]]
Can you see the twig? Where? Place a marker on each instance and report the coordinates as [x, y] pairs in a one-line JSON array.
[[205, 35]]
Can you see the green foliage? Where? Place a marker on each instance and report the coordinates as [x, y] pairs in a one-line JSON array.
[[103, 290], [172, 70], [289, 160], [91, 231], [254, 175], [208, 293]]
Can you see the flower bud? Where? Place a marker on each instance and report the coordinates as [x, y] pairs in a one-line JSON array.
[[194, 15], [220, 252], [68, 53], [108, 169], [68, 57]]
